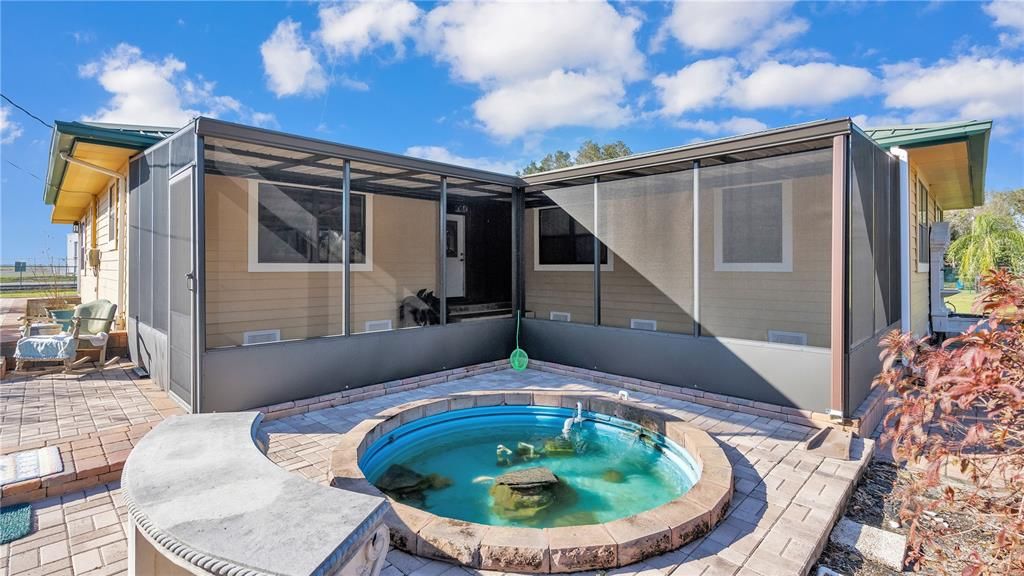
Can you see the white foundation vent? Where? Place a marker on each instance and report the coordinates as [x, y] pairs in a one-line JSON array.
[[560, 316], [783, 337], [641, 324], [377, 325], [260, 337]]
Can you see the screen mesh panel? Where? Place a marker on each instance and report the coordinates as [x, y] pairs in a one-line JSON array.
[[146, 255], [647, 225], [180, 297], [558, 249], [182, 151], [398, 227], [478, 251], [861, 317], [274, 243], [765, 247], [883, 245], [160, 172], [134, 260]]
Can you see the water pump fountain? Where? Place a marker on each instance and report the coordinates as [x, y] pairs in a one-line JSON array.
[[570, 422]]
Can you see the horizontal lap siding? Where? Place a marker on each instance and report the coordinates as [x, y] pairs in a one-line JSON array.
[[555, 291], [310, 304], [919, 298], [104, 283], [749, 304]]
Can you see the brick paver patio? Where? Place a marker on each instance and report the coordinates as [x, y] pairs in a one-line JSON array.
[[784, 505]]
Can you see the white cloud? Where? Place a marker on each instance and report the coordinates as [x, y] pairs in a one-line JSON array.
[[290, 64], [1008, 14], [727, 127], [559, 99], [877, 121], [718, 82], [156, 92], [774, 84], [756, 27], [353, 84], [969, 87], [9, 129], [351, 29], [694, 87], [484, 41], [442, 154], [570, 70]]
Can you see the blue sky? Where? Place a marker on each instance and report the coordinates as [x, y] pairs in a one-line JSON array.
[[496, 85]]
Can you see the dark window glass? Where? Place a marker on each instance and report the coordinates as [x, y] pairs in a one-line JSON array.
[[565, 241], [752, 224], [304, 226]]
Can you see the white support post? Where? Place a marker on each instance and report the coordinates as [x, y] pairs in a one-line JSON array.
[[905, 262]]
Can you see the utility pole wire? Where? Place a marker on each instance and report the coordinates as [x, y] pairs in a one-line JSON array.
[[15, 104]]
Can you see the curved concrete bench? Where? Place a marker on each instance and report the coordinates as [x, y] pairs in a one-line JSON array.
[[204, 499]]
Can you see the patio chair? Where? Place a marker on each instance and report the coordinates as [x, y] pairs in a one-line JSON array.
[[92, 331], [61, 347]]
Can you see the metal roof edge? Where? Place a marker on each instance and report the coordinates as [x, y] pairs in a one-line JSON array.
[[213, 127], [763, 139]]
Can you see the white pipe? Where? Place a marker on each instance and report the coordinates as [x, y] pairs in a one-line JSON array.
[[905, 262], [122, 191]]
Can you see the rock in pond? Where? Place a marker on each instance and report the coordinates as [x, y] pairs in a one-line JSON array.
[[522, 494], [614, 476], [407, 485]]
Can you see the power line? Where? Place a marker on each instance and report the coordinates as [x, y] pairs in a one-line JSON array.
[[15, 104], [23, 169]]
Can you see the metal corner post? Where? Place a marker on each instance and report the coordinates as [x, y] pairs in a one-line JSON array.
[[518, 282], [837, 314], [199, 260], [442, 263], [346, 257], [696, 248], [597, 262]]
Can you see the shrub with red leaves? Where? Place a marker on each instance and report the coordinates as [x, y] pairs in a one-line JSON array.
[[958, 412]]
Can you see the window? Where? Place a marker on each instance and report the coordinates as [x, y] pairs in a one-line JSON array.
[[562, 243], [923, 225], [112, 213], [754, 228], [299, 229]]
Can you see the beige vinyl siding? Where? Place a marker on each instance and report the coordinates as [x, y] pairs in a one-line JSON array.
[[310, 304], [919, 300], [555, 291], [102, 283], [749, 304], [628, 295]]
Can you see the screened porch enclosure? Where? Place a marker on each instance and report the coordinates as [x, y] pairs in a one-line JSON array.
[[763, 267]]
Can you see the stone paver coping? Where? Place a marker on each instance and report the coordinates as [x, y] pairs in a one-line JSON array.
[[563, 549], [199, 487]]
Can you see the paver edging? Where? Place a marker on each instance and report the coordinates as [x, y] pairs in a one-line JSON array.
[[641, 536]]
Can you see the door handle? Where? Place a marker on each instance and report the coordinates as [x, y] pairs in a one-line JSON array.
[[190, 281]]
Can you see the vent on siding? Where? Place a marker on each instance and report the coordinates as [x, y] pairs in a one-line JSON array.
[[640, 324], [260, 337], [561, 316], [377, 325], [782, 337]]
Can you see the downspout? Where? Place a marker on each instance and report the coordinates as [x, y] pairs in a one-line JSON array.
[[122, 190], [902, 156]]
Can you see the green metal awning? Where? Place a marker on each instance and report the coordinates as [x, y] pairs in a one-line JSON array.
[[975, 133]]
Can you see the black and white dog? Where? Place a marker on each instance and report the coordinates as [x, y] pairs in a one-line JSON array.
[[423, 309]]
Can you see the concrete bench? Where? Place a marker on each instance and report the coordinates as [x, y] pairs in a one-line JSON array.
[[204, 499]]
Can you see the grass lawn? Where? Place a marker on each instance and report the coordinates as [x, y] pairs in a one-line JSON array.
[[35, 293], [963, 302]]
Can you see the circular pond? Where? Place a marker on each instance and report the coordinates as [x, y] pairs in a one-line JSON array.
[[536, 481], [517, 466]]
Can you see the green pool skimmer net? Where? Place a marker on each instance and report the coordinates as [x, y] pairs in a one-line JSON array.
[[518, 359]]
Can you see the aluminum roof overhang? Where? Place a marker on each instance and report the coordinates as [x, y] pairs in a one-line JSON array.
[[68, 188], [769, 138], [212, 128], [973, 134]]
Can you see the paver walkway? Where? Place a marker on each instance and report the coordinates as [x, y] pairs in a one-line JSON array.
[[784, 505]]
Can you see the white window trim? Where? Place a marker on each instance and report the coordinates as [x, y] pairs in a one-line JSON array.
[[538, 267], [253, 230], [787, 234]]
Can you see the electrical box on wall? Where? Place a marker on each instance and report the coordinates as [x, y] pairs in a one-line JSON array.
[[94, 257]]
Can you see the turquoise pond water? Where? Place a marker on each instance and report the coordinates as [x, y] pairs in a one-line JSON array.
[[612, 474]]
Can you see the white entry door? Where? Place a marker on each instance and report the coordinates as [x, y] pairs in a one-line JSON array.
[[455, 255]]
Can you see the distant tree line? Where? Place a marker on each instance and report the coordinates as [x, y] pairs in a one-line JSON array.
[[589, 151]]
